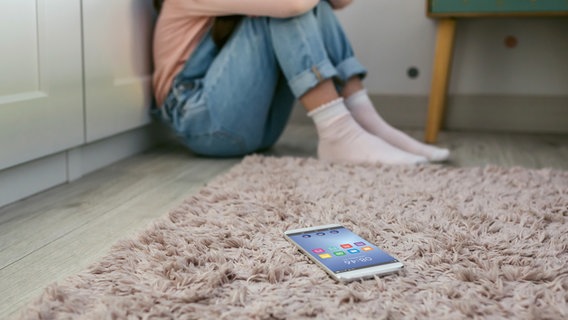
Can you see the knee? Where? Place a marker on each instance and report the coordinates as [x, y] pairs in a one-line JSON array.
[[324, 6], [324, 9]]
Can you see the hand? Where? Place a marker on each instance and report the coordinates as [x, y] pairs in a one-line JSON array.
[[340, 4]]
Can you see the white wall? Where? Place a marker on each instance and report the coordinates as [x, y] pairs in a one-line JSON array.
[[390, 36]]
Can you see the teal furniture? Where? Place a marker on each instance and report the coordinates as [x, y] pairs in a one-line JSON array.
[[497, 7], [448, 12]]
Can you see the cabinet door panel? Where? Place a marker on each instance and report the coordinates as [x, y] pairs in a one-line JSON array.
[[41, 92], [118, 73]]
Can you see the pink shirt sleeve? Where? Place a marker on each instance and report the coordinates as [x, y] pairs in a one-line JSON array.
[[271, 8]]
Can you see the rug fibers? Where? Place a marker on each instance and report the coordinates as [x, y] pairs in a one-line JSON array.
[[476, 242]]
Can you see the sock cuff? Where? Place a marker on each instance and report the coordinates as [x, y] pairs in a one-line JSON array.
[[330, 110], [352, 100]]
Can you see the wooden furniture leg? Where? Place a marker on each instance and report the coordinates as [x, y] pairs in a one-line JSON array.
[[441, 74]]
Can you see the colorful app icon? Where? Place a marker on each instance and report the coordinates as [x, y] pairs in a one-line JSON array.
[[318, 250], [346, 246], [320, 234], [367, 248], [325, 256], [360, 244], [353, 251], [333, 248], [339, 253]]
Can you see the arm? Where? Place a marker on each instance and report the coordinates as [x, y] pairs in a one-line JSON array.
[[271, 8]]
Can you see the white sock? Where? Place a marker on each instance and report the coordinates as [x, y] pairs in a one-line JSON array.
[[364, 112], [341, 138]]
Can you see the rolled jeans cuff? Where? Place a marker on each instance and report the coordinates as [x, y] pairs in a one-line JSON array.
[[350, 67], [310, 78]]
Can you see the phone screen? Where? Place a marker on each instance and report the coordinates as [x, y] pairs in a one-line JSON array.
[[341, 250]]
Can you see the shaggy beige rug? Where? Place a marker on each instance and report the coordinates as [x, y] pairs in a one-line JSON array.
[[477, 243]]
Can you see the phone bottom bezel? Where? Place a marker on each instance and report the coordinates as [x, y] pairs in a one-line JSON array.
[[366, 273]]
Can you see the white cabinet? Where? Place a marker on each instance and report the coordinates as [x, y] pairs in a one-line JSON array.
[[41, 92], [117, 39], [75, 89]]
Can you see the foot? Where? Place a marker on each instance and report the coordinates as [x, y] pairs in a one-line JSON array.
[[345, 141], [364, 112]]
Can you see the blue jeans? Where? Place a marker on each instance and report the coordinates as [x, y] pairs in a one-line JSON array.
[[237, 100]]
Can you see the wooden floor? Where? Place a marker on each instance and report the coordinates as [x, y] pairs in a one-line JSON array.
[[60, 232]]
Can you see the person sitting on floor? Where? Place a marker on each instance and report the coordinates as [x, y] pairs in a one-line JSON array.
[[227, 74]]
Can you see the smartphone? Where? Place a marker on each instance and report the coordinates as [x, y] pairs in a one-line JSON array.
[[342, 253]]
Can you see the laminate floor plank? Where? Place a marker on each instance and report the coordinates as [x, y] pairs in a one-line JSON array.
[[80, 203]]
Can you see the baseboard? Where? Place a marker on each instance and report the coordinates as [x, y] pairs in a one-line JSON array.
[[99, 154], [538, 114], [535, 114], [29, 178], [32, 177]]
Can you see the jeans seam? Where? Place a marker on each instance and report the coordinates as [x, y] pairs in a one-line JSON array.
[[223, 133], [234, 138], [318, 76]]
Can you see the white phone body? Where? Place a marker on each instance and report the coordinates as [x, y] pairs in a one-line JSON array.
[[344, 255]]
